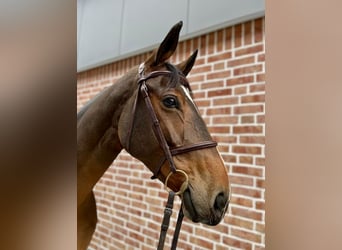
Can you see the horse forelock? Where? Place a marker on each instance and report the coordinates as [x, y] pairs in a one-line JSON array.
[[177, 76]]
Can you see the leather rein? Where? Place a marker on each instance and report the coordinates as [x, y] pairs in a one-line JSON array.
[[168, 154]]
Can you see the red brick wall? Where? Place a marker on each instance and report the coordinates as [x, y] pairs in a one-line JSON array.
[[228, 81]]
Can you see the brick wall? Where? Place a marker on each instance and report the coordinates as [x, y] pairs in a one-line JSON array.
[[228, 82]]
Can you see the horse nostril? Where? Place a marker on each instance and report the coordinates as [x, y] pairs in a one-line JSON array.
[[220, 201]]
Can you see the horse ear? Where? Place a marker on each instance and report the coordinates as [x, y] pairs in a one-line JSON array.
[[187, 65], [167, 47]]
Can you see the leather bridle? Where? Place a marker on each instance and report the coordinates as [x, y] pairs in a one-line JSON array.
[[168, 152]]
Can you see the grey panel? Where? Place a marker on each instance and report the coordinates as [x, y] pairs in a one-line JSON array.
[[80, 4], [204, 14], [99, 32], [146, 24], [109, 30]]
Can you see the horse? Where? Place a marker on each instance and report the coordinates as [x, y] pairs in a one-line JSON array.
[[150, 112]]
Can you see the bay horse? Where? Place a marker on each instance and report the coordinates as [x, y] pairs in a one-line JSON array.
[[176, 139]]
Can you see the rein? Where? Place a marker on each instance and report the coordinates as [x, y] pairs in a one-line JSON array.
[[168, 155]]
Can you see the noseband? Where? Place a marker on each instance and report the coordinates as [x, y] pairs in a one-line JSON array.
[[168, 152]]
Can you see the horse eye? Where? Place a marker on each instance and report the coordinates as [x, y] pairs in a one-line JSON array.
[[170, 102]]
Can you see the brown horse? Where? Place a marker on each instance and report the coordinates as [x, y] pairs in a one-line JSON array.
[[118, 119]]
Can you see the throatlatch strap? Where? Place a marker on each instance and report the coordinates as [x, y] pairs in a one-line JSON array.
[[166, 220]]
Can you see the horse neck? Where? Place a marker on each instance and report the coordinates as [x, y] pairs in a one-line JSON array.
[[98, 143]]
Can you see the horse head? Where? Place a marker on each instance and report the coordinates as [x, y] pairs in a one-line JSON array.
[[207, 193]]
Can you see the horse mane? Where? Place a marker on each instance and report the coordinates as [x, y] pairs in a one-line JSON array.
[[87, 105]]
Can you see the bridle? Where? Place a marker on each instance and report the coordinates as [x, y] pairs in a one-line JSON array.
[[168, 153]]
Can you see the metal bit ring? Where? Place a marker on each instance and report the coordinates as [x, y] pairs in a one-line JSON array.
[[183, 186]]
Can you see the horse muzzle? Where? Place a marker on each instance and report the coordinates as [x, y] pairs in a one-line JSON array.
[[209, 215]]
